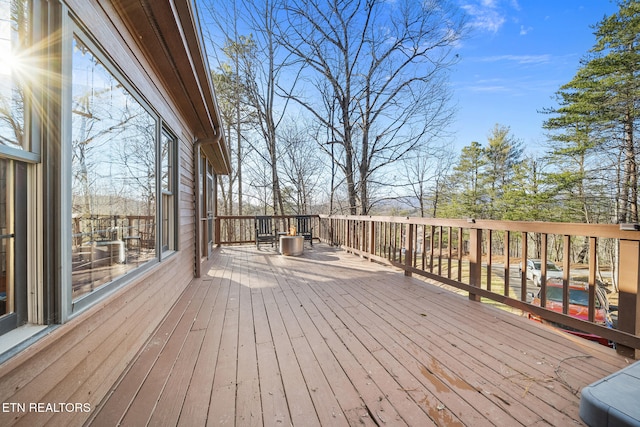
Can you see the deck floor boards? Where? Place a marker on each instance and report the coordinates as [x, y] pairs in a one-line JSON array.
[[332, 339]]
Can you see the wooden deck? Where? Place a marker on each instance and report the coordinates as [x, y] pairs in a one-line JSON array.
[[332, 339]]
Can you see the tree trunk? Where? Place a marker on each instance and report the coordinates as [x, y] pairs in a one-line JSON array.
[[629, 193], [364, 172], [633, 168], [351, 188], [278, 207], [349, 159]]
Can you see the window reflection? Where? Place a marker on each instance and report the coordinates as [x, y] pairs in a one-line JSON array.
[[6, 238], [167, 176], [14, 42], [113, 177]]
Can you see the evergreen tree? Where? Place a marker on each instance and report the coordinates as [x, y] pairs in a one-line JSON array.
[[526, 196], [617, 68], [599, 106], [469, 196], [503, 153], [577, 132]]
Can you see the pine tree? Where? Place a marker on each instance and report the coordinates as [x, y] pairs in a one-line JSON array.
[[599, 106], [617, 68], [470, 195], [503, 153]]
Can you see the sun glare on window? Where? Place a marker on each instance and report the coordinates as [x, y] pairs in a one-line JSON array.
[[6, 58]]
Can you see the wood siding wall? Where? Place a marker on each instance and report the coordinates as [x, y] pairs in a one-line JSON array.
[[78, 362]]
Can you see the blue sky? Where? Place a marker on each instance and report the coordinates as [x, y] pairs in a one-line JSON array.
[[517, 56]]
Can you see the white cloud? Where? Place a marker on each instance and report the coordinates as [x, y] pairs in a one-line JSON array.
[[489, 15], [489, 89], [485, 17], [525, 30], [520, 59]]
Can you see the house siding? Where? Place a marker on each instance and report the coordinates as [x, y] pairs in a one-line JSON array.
[[79, 361]]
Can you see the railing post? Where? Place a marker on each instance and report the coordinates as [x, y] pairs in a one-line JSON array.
[[475, 261], [566, 272], [431, 248], [507, 264], [629, 299], [543, 278], [440, 251], [449, 250], [593, 248], [363, 243], [408, 254], [524, 256], [216, 231], [372, 239], [489, 260], [332, 238], [460, 252]]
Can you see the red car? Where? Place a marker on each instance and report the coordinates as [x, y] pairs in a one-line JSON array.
[[578, 307]]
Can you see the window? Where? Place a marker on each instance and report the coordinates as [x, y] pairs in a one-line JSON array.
[[113, 176], [7, 237], [167, 153], [13, 289], [576, 296], [115, 206], [92, 142], [14, 42]]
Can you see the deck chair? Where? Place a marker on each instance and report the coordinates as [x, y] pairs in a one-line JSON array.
[[304, 227], [265, 231]]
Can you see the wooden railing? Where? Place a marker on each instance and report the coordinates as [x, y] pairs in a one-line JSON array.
[[487, 260], [234, 230]]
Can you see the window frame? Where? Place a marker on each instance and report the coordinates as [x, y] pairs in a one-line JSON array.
[[70, 307], [33, 95], [46, 158], [172, 182], [26, 188]]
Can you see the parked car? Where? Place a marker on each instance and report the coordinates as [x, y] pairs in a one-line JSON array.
[[534, 271], [578, 307]]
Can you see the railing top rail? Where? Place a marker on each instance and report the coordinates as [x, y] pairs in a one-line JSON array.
[[613, 231], [272, 216]]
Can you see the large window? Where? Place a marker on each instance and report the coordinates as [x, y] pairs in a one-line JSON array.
[[7, 238], [113, 176], [115, 206], [16, 66], [13, 290], [167, 153], [15, 38]]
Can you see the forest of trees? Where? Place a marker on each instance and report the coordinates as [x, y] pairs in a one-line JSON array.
[[326, 113]]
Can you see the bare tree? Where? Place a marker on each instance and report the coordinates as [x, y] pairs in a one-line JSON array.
[[301, 166], [426, 173], [232, 98], [260, 65], [237, 117], [385, 64], [225, 85]]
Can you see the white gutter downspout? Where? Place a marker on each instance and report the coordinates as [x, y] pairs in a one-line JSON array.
[[198, 184]]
